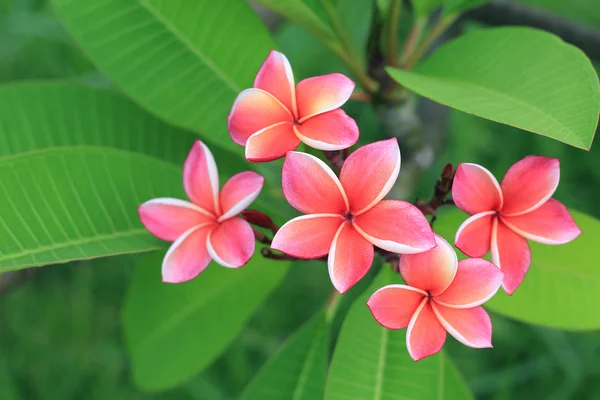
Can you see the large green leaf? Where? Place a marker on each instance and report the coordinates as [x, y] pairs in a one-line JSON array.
[[561, 289], [458, 6], [372, 363], [299, 368], [175, 331], [356, 16], [516, 76], [183, 60]]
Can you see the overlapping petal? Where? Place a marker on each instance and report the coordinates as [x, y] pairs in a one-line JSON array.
[[549, 224], [350, 258], [394, 305], [369, 173], [187, 257], [473, 237], [271, 143], [510, 253], [276, 77], [307, 236], [310, 186], [201, 178], [470, 326], [529, 183], [333, 130], [396, 226], [475, 282], [323, 93], [425, 335], [232, 243], [432, 270], [252, 111], [239, 192], [475, 189]]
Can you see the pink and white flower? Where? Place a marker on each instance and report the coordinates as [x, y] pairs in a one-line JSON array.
[[505, 215], [275, 116], [441, 295], [346, 217], [207, 227]]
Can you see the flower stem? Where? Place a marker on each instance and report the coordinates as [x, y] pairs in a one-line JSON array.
[[392, 32], [438, 29], [332, 305]]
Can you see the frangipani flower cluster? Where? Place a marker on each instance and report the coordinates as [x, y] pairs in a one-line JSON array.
[[346, 219]]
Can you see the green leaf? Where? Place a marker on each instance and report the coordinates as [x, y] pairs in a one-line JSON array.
[[423, 8], [356, 16], [561, 289], [522, 77], [459, 6], [371, 362], [183, 60], [298, 370], [175, 331]]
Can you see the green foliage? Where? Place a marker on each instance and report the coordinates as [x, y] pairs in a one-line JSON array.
[[458, 6], [515, 76], [356, 16], [425, 7], [298, 370], [371, 362]]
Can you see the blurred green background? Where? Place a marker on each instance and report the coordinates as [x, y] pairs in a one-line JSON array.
[[60, 335]]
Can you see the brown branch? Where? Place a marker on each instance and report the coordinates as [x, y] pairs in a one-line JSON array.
[[443, 188], [336, 159]]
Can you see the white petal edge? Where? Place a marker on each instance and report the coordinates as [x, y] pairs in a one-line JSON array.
[[529, 236], [493, 178], [390, 245], [241, 205], [469, 220], [213, 176], [175, 245], [169, 201], [245, 93], [453, 331], [399, 286], [247, 147], [539, 203], [318, 144], [411, 325], [214, 255], [302, 217]]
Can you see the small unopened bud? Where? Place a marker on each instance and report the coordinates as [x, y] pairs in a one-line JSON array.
[[447, 172], [259, 219]]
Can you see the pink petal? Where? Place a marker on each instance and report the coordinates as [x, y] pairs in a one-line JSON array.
[[425, 335], [350, 258], [396, 226], [239, 192], [187, 257], [276, 77], [529, 183], [307, 236], [510, 253], [475, 189], [549, 224], [168, 219], [311, 187], [369, 173], [201, 178], [394, 305], [271, 143], [320, 94], [475, 282], [333, 130], [252, 111], [470, 326], [232, 243], [474, 236], [432, 270]]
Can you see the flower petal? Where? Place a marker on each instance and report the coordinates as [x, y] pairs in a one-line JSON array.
[[271, 143], [396, 226], [239, 192], [394, 305], [475, 282], [168, 219], [307, 236], [201, 178], [276, 77], [333, 130], [321, 94], [425, 335], [187, 257], [474, 236], [350, 258], [311, 187], [510, 253], [470, 326], [432, 270], [252, 111], [549, 224], [232, 243], [369, 173], [475, 189], [529, 183]]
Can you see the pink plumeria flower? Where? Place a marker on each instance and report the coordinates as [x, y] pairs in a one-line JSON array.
[[275, 116], [346, 217], [505, 215], [441, 294], [207, 227]]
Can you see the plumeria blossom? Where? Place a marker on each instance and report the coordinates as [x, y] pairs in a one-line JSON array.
[[207, 227], [505, 215], [347, 216], [275, 116], [441, 295]]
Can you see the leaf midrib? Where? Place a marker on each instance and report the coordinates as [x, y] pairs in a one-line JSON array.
[[308, 362], [381, 364]]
